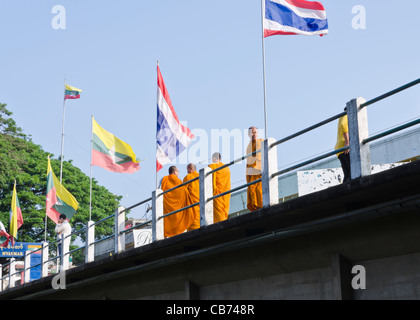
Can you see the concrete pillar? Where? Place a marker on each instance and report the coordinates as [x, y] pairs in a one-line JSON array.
[[44, 259], [206, 191], [358, 131], [12, 270], [119, 226], [90, 238], [270, 186], [341, 273], [65, 248], [26, 267], [192, 291], [157, 213]]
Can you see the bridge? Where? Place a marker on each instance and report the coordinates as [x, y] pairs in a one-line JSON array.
[[357, 240]]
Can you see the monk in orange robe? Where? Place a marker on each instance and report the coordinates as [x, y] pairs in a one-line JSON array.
[[253, 171], [221, 183], [193, 189], [174, 200]]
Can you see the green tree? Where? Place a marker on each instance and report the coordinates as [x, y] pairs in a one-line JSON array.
[[24, 161]]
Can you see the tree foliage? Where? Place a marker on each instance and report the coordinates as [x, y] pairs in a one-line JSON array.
[[24, 161]]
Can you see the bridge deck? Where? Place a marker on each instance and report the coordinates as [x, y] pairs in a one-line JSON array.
[[374, 217]]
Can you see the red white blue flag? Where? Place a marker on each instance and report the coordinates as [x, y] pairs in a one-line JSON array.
[[286, 17], [171, 136]]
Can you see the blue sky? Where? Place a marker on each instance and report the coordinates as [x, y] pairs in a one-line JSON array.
[[210, 56]]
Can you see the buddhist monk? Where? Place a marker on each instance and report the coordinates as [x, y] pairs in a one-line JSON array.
[[174, 200], [253, 171], [193, 189], [221, 183]]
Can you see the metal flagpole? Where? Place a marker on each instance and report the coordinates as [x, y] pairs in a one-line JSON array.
[[263, 54], [91, 148], [62, 132], [156, 139]]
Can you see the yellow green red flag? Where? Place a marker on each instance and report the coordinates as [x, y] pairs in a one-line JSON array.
[[111, 153], [16, 219], [59, 199]]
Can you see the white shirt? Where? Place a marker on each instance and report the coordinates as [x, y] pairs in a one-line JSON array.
[[63, 228]]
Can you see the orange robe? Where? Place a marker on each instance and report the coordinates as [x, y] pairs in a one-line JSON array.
[[194, 197], [253, 172], [174, 200], [221, 183]]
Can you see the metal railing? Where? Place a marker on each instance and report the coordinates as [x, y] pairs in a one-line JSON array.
[[360, 166]]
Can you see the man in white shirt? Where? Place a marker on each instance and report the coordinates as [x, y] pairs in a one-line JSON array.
[[62, 228]]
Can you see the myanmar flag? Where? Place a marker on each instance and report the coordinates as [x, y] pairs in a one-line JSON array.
[[59, 200], [71, 92], [4, 236], [111, 153], [16, 219]]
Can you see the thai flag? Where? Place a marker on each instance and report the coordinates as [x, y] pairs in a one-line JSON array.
[[294, 17], [171, 136]]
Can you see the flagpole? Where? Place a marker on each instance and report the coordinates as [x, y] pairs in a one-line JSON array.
[[156, 172], [62, 132], [91, 149], [263, 54], [45, 233]]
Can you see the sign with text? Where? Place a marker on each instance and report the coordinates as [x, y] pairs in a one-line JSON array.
[[18, 250]]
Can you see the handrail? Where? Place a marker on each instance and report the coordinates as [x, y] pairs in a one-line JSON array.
[[337, 116], [136, 205], [390, 131], [136, 226], [323, 156], [390, 93], [179, 210], [178, 186], [233, 190]]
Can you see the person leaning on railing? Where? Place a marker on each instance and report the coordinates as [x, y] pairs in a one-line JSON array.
[[343, 141], [63, 227], [174, 200], [253, 171], [221, 184], [193, 189]]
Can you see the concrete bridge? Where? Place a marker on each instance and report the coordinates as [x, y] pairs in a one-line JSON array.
[[358, 240]]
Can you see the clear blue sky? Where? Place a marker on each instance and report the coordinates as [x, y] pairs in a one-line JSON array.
[[211, 60]]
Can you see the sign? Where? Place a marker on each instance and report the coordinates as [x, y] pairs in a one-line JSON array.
[[19, 249], [142, 237]]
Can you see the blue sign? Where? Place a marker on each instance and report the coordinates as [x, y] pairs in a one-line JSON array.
[[18, 250]]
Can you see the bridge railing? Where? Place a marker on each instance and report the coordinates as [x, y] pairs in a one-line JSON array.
[[359, 161]]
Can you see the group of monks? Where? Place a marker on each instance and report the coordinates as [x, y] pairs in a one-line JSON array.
[[189, 219]]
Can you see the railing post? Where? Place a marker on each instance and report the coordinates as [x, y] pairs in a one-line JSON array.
[[65, 248], [270, 186], [90, 238], [360, 164], [206, 191], [26, 267], [44, 259], [1, 277], [157, 212], [119, 226], [12, 271]]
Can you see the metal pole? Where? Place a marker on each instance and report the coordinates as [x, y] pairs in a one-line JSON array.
[[263, 54], [156, 172], [62, 132], [91, 149]]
